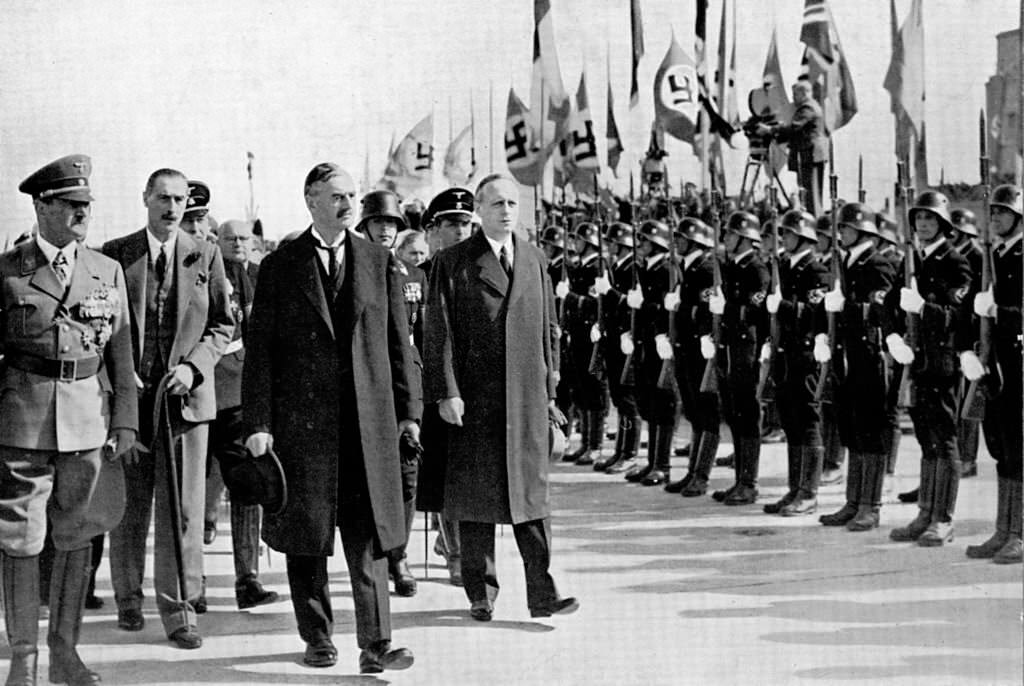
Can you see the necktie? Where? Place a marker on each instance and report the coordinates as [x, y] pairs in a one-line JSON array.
[[503, 259], [60, 265], [161, 265], [332, 264]]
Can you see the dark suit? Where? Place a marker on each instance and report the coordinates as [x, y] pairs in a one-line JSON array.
[[497, 467], [311, 346], [200, 330]]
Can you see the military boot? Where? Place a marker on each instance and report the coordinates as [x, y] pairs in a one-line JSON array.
[[806, 501], [603, 463], [630, 446], [678, 486], [1011, 552], [989, 548], [639, 471], [793, 453], [854, 482], [21, 611], [748, 457], [870, 494], [661, 454], [595, 436], [947, 485], [926, 497], [705, 458], [584, 439], [67, 602]]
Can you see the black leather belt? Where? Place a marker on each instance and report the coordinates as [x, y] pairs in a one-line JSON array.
[[64, 370]]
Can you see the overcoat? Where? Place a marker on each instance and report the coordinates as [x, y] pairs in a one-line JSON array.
[[488, 340], [326, 430]]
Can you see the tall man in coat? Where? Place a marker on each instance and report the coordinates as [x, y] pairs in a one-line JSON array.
[[808, 143], [67, 414], [488, 360], [181, 323], [329, 319]]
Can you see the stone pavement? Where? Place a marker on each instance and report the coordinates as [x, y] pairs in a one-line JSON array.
[[673, 591]]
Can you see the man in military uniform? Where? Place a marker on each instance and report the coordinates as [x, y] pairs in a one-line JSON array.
[[657, 405], [889, 248], [380, 222], [965, 240], [1002, 425], [795, 301], [695, 246], [612, 287], [590, 391], [863, 320], [745, 282], [197, 220], [835, 451], [67, 415], [943, 280]]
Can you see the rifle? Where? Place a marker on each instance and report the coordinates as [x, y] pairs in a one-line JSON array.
[[628, 377], [862, 194], [709, 382], [823, 391], [765, 386], [973, 408], [908, 391], [667, 376], [597, 367]]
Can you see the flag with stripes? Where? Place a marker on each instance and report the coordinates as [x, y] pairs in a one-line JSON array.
[[824, 65]]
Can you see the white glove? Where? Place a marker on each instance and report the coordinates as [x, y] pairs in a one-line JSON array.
[[822, 351], [716, 303], [985, 304], [259, 443], [910, 300], [707, 347], [972, 367], [899, 350], [595, 333], [626, 343], [635, 298], [562, 289], [773, 301], [766, 351], [834, 299], [672, 300], [663, 346], [602, 285]]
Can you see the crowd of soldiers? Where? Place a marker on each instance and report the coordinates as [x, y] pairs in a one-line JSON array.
[[664, 315]]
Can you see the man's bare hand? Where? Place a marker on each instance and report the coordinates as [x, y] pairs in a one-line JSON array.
[[182, 378], [408, 426], [451, 410]]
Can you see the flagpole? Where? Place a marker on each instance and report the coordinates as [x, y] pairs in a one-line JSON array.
[[472, 139], [490, 141]]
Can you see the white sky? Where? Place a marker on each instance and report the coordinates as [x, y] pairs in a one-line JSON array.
[[194, 84]]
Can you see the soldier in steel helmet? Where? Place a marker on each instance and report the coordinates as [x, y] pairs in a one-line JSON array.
[[835, 451], [889, 247], [965, 240], [942, 283], [1001, 304], [863, 319], [795, 300]]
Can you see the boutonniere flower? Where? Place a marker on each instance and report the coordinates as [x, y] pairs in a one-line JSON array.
[[192, 258]]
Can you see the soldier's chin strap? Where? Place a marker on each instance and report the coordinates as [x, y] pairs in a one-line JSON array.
[[162, 432]]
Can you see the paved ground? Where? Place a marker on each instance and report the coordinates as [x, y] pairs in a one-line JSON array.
[[673, 591]]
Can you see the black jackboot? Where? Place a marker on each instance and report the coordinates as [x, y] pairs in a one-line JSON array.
[[691, 450], [854, 484], [870, 494], [748, 458], [21, 610], [595, 436], [661, 453], [638, 472], [629, 428], [793, 456], [701, 466], [67, 602], [806, 502]]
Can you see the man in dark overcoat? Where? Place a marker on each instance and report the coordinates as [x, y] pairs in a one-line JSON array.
[[329, 318], [495, 385]]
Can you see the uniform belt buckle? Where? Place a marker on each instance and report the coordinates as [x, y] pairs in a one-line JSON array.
[[68, 370]]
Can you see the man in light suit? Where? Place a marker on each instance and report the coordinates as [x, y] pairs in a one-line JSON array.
[[181, 324], [808, 143], [496, 385], [68, 412], [329, 383]]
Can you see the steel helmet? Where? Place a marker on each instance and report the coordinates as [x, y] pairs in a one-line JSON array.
[[620, 233], [937, 204], [745, 225], [381, 204], [552, 236], [963, 220], [801, 223], [1010, 197], [656, 232], [887, 228], [697, 231], [588, 233], [858, 216]]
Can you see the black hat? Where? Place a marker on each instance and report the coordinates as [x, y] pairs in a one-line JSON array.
[[451, 201], [198, 197], [67, 178], [259, 481]]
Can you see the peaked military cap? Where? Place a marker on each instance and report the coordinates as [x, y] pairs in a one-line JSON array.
[[67, 178], [457, 201], [198, 197]]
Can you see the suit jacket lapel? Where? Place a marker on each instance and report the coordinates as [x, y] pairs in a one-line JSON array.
[[307, 271], [135, 262], [358, 278], [522, 263], [490, 271], [44, 278], [185, 268], [84, 278]]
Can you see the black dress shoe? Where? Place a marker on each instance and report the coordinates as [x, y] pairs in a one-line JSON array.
[[682, 452], [481, 610], [720, 496], [251, 593], [130, 620], [909, 496], [744, 495], [654, 477], [322, 653], [405, 582], [381, 656], [93, 603], [679, 486], [727, 461], [186, 638], [561, 606], [637, 473]]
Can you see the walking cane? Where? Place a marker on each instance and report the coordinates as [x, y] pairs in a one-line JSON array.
[[162, 428]]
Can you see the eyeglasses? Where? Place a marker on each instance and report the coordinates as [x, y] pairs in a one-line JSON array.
[[235, 239]]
